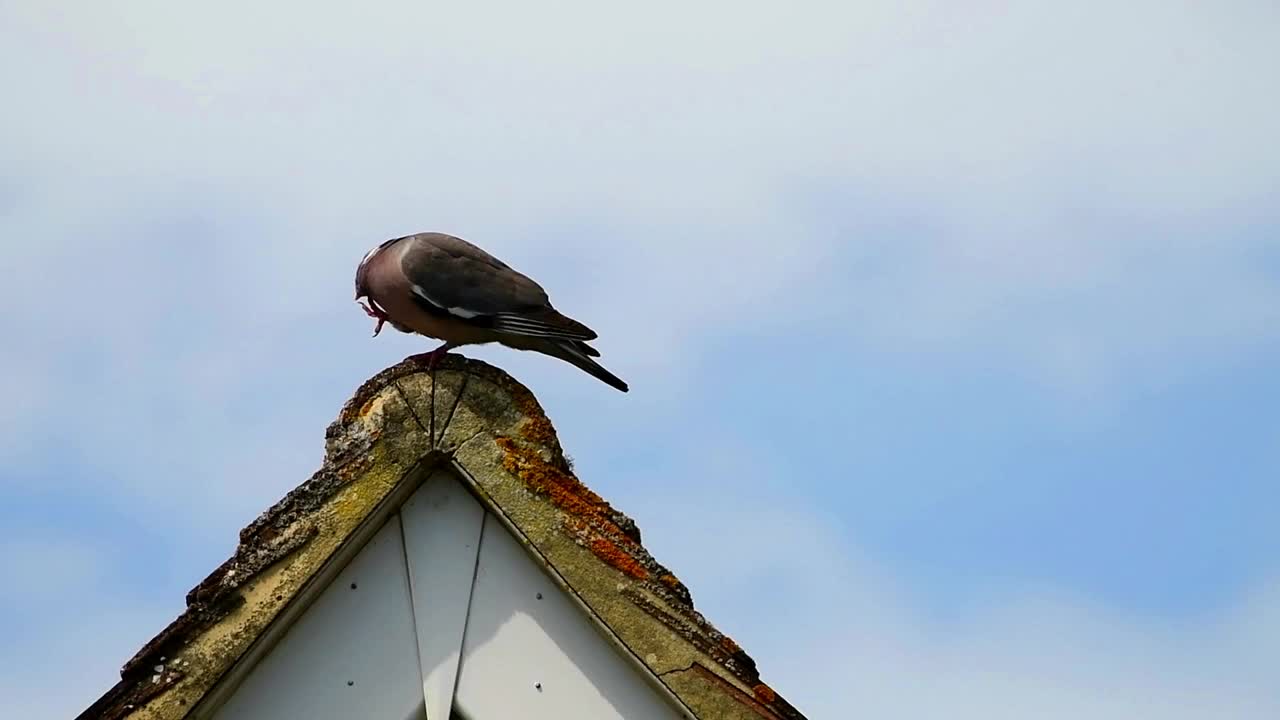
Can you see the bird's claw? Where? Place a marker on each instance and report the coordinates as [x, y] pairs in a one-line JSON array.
[[377, 315], [431, 359]]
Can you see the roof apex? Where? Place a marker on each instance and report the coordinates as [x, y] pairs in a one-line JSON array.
[[399, 425]]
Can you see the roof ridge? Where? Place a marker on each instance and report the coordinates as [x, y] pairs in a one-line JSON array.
[[406, 418]]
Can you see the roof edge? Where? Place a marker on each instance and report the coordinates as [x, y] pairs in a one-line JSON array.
[[400, 420]]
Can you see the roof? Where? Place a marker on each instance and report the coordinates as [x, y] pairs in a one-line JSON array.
[[399, 426]]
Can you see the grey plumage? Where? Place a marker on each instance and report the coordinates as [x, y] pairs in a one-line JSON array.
[[444, 287]]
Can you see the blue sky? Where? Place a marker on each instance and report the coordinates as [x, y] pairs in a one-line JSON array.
[[951, 327]]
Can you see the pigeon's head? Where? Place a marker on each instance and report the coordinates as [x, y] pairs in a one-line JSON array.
[[362, 272], [362, 275]]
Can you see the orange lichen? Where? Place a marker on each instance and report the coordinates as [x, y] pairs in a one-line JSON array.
[[537, 429], [729, 645], [764, 692], [618, 558], [586, 513], [566, 492], [323, 511]]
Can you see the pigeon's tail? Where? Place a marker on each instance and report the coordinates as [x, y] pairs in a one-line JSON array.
[[576, 352]]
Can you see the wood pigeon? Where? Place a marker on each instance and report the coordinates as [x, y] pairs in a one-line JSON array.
[[446, 288]]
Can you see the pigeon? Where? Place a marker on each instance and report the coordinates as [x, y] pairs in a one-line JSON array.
[[445, 288]]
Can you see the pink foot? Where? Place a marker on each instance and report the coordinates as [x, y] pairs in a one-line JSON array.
[[433, 357], [382, 319]]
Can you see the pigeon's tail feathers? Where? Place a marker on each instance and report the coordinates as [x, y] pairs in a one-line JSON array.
[[579, 354]]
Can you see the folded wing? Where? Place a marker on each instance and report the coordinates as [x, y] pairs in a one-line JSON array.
[[449, 275]]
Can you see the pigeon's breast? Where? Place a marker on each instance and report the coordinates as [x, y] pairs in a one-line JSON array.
[[383, 279], [391, 290]]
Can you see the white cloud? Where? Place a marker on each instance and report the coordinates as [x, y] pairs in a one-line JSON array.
[[830, 630], [1084, 192], [1066, 162], [837, 636]]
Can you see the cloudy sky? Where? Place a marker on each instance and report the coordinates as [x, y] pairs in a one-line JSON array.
[[952, 327]]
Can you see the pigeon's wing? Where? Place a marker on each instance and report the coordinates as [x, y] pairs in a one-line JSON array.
[[449, 275]]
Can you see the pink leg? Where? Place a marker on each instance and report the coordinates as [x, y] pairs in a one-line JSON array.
[[433, 357], [375, 314]]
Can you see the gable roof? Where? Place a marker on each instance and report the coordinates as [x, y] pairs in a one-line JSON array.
[[399, 427]]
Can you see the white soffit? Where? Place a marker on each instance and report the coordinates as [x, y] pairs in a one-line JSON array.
[[352, 654], [449, 616], [531, 653]]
